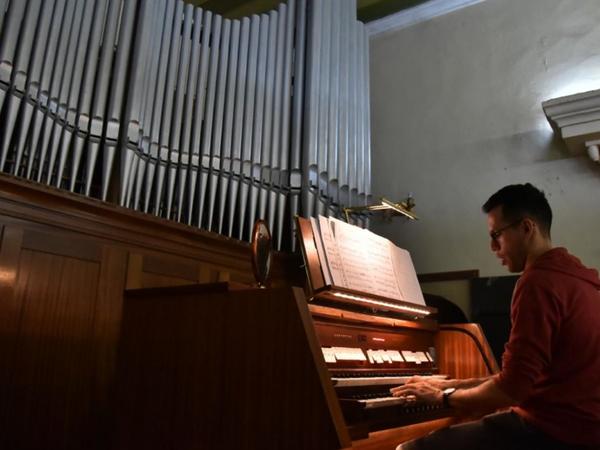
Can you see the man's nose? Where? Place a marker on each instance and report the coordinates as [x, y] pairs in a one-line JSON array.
[[494, 245]]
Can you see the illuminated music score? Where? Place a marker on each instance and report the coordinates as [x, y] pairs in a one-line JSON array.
[[359, 260]]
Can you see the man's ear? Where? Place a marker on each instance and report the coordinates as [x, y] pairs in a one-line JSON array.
[[528, 225]]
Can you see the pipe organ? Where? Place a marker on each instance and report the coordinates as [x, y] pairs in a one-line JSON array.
[[172, 110]]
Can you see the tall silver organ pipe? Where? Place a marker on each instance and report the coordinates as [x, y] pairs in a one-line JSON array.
[[173, 110]]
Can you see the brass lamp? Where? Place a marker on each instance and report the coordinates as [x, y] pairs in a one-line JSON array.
[[403, 208]]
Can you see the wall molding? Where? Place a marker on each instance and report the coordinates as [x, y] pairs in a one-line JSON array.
[[576, 118], [457, 275], [415, 15]]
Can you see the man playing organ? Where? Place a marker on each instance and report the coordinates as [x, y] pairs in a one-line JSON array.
[[551, 364]]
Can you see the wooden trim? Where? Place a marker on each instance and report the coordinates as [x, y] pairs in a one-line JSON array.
[[311, 257], [360, 318], [315, 348], [448, 276], [23, 201], [328, 294], [56, 207], [134, 271], [107, 320]]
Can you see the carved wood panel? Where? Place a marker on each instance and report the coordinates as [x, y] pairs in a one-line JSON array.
[[64, 264], [51, 348]]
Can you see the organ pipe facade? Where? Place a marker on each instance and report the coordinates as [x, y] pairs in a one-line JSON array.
[[172, 110]]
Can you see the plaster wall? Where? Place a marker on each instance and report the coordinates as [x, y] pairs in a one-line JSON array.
[[456, 115]]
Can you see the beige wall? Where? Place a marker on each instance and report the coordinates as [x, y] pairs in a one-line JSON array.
[[456, 114]]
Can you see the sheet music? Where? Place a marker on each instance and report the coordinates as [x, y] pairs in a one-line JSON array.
[[381, 265], [331, 250], [321, 251], [353, 254], [360, 260], [406, 275]]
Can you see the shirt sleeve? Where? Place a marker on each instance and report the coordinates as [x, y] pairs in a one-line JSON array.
[[535, 325]]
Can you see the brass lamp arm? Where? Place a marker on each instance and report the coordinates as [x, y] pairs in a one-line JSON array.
[[403, 208]]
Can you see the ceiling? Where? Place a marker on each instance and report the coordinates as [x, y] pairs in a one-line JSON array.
[[367, 10]]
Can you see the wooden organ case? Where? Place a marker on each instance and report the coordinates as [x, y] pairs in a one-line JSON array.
[[213, 367]]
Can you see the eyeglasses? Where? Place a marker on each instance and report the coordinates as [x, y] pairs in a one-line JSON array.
[[496, 234]]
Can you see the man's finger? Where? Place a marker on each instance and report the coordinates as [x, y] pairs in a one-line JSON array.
[[414, 379], [398, 389], [403, 391]]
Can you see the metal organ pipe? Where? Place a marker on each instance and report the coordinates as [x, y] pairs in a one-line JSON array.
[[167, 108]]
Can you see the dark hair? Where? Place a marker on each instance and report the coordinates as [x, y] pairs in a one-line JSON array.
[[522, 200]]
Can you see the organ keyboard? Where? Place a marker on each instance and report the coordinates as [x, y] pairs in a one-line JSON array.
[[375, 380]]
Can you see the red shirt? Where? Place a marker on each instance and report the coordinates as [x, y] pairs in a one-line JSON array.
[[551, 363]]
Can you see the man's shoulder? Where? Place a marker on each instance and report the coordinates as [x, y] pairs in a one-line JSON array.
[[540, 281], [536, 276]]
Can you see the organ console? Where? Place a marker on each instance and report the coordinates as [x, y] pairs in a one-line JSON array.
[[367, 354], [216, 367]]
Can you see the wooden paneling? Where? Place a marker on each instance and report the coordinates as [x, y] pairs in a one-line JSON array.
[[154, 270], [193, 360], [463, 352], [10, 249], [199, 368], [49, 344], [47, 209], [64, 264], [64, 244], [65, 261]]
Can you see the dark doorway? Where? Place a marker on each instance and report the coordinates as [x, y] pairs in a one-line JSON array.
[[490, 307]]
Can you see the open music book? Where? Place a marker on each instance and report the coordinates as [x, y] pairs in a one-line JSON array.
[[357, 259]]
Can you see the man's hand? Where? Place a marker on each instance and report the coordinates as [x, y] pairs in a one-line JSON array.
[[470, 402], [439, 383], [420, 391]]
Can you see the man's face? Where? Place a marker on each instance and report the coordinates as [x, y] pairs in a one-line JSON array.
[[507, 240]]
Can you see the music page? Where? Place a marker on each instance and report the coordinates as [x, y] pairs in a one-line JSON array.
[[334, 262], [353, 250], [358, 259], [381, 266], [406, 275]]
